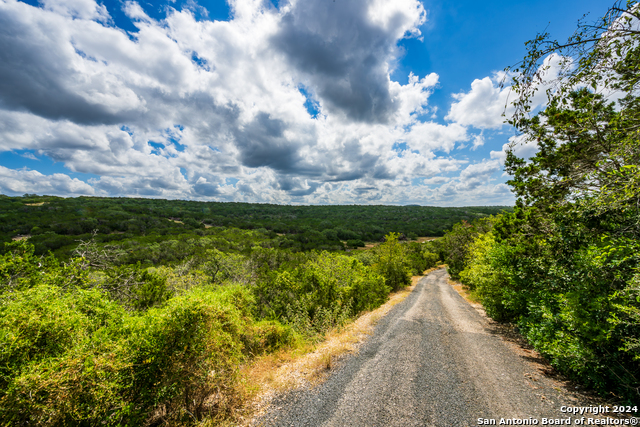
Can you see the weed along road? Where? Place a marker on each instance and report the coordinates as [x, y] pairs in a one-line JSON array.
[[432, 361]]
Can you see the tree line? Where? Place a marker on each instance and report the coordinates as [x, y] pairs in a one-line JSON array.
[[56, 224]]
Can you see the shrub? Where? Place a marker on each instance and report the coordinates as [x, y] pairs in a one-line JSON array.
[[21, 269], [430, 259], [267, 336], [135, 287], [49, 342], [330, 234], [78, 358], [484, 277], [321, 293], [454, 245], [355, 243]]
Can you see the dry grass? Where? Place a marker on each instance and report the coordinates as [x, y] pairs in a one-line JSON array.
[[464, 292], [270, 375], [21, 237], [369, 245], [35, 204], [425, 239]]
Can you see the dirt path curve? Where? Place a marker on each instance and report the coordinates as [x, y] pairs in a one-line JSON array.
[[431, 362]]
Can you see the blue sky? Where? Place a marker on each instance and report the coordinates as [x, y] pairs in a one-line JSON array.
[[323, 102]]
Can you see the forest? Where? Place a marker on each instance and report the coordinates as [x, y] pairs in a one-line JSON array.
[[56, 224]]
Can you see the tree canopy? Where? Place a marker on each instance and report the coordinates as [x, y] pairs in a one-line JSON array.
[[565, 264]]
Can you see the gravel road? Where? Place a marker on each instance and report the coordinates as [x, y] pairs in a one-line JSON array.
[[432, 361]]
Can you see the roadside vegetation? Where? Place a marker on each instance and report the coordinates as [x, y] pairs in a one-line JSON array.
[[564, 265], [100, 338]]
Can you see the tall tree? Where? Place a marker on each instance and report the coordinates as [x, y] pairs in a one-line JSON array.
[[589, 134]]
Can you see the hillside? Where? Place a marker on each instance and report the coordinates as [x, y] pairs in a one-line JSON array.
[[56, 224]]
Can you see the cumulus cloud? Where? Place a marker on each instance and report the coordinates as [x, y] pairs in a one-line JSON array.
[[82, 9], [478, 141], [344, 50], [30, 181], [520, 145], [216, 110], [476, 185], [482, 107], [430, 136], [479, 170], [487, 105]]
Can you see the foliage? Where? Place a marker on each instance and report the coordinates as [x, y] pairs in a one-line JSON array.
[[453, 248], [485, 276], [78, 358], [391, 262], [564, 264], [155, 231], [322, 293], [135, 287], [355, 243], [578, 207], [20, 269], [147, 319], [419, 258], [98, 341]]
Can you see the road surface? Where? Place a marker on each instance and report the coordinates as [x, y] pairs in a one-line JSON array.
[[432, 361]]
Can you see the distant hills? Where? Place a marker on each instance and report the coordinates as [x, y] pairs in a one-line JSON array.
[[52, 223]]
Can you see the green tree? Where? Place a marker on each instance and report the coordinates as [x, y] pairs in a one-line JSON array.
[[587, 137], [392, 263], [571, 246], [454, 246]]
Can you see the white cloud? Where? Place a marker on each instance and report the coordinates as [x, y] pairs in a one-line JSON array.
[[18, 182], [182, 105], [429, 136], [521, 147], [480, 170], [82, 9], [487, 105], [482, 107], [478, 141]]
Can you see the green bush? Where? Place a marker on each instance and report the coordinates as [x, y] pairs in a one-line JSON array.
[[267, 336], [49, 341], [574, 297], [392, 263], [321, 293], [454, 245], [484, 277], [330, 234], [355, 243], [185, 352], [419, 258], [135, 287], [430, 259], [20, 269], [78, 358]]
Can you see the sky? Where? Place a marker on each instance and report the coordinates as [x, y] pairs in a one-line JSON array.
[[289, 102]]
